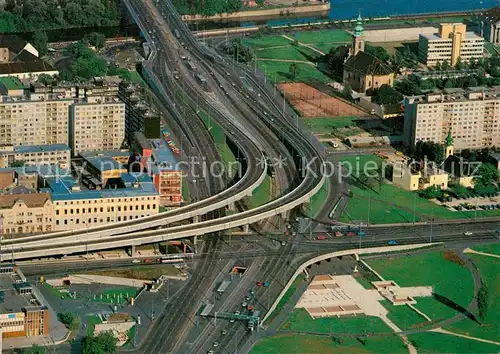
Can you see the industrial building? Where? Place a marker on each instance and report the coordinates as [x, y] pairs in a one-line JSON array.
[[472, 116], [36, 155], [449, 44], [22, 313]]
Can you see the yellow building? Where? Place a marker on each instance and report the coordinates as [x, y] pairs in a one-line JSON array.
[[76, 207], [450, 43], [26, 213], [415, 177]]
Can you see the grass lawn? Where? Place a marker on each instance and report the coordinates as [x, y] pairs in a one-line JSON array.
[[91, 322], [489, 269], [448, 279], [300, 321], [403, 316], [279, 71], [261, 195], [288, 53], [392, 204], [266, 42], [11, 83], [327, 125], [335, 36], [429, 342], [288, 295], [492, 248], [318, 200], [59, 292], [185, 190], [287, 344], [130, 336], [140, 272], [136, 78]]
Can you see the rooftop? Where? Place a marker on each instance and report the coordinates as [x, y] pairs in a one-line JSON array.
[[436, 37], [11, 302], [13, 42], [104, 163], [11, 83], [368, 64], [458, 95], [106, 153], [162, 155], [32, 200], [37, 148]]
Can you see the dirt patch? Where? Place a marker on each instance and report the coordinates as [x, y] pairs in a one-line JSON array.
[[311, 102]]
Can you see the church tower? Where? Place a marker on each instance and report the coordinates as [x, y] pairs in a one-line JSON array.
[[358, 43], [448, 145]]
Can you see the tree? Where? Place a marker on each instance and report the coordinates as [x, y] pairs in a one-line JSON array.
[[486, 174], [239, 51], [459, 65], [34, 349], [103, 343], [386, 95], [293, 70], [96, 39], [378, 52], [431, 192], [260, 2], [483, 301], [40, 42], [18, 163], [68, 318], [335, 61], [429, 150]]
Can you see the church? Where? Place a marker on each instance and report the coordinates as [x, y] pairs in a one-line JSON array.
[[362, 71]]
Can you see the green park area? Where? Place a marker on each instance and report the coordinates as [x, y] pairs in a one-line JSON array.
[[430, 342], [286, 297], [492, 248], [11, 83], [489, 323], [329, 125], [274, 54], [355, 336], [307, 343], [318, 200], [384, 203], [452, 285]]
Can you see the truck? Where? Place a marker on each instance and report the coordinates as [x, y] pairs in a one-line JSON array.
[[223, 286]]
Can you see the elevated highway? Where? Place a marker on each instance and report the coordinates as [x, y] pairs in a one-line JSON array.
[[306, 158]]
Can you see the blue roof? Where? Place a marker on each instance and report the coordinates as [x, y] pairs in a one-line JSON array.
[[60, 189], [40, 148], [104, 163], [163, 156]]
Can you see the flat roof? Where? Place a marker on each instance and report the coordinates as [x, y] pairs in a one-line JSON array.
[[12, 83], [162, 155], [10, 300], [60, 188], [39, 148], [104, 163], [468, 35], [105, 153]]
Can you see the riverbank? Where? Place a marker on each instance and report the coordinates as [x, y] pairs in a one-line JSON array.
[[253, 15]]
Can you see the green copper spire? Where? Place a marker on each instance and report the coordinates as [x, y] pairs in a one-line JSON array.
[[449, 139], [358, 30]]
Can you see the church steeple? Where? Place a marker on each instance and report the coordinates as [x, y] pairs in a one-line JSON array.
[[358, 44]]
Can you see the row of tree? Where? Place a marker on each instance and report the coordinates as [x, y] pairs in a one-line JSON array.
[[31, 15], [207, 7]]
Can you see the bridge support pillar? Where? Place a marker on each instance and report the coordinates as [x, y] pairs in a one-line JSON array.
[[246, 228], [196, 219], [132, 251], [284, 215], [195, 242], [231, 207]]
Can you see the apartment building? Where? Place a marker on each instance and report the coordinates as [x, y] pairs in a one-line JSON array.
[[450, 43], [472, 116], [34, 119], [26, 213], [97, 123], [56, 154], [167, 175]]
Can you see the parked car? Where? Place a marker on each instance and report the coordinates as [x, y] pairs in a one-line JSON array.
[[338, 234], [136, 261], [321, 237], [468, 233], [392, 242], [351, 233]]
